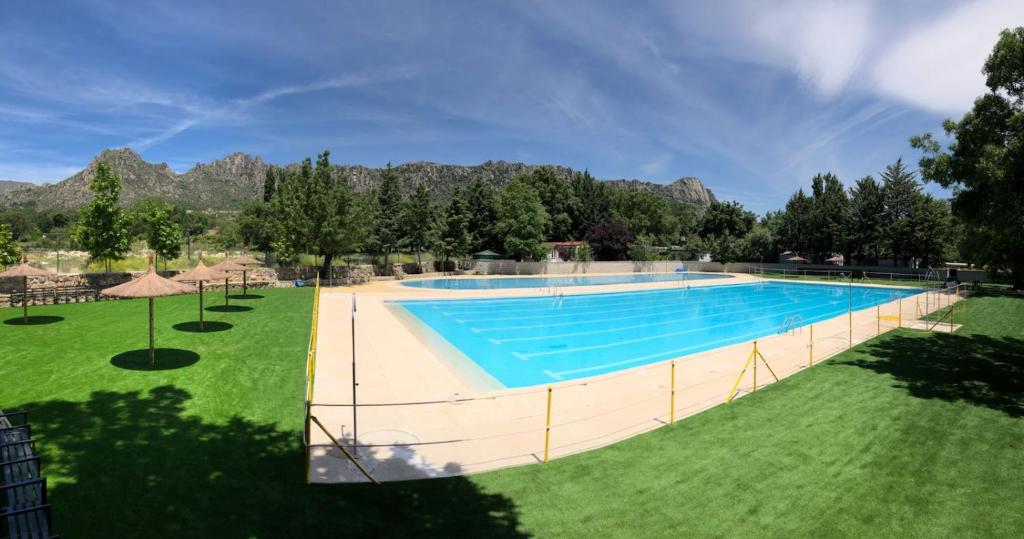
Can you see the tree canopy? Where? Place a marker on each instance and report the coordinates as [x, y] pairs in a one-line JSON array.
[[103, 227], [522, 220]]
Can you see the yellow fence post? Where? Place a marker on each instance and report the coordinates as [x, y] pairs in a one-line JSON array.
[[899, 307], [755, 366], [547, 427], [810, 354], [878, 320], [735, 386], [306, 438], [672, 396]]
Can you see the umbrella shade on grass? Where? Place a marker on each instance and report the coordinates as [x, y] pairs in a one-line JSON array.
[[148, 285], [24, 271], [199, 275], [246, 261], [225, 266]]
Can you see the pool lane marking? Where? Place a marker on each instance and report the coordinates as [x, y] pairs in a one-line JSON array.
[[640, 326], [593, 309], [656, 337], [659, 308]]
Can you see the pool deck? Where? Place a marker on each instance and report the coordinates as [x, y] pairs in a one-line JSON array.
[[421, 417]]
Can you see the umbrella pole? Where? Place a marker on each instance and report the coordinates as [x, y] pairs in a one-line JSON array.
[[245, 284], [225, 292], [24, 300], [200, 305], [152, 353]]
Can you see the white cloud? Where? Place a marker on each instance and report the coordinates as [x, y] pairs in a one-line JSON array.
[[938, 67]]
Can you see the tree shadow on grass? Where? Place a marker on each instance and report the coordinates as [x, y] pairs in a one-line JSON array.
[[229, 308], [33, 320], [208, 326], [166, 359], [979, 369], [246, 296], [138, 465]]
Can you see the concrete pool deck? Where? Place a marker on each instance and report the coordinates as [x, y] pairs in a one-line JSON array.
[[421, 415]]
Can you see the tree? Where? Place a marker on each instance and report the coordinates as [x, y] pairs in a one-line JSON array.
[[985, 163], [313, 211], [583, 253], [255, 225], [830, 212], [931, 230], [796, 231], [559, 202], [389, 214], [593, 203], [642, 249], [865, 225], [103, 229], [483, 215], [451, 236], [9, 252], [646, 214], [522, 220], [163, 234], [609, 239], [900, 191], [417, 216]]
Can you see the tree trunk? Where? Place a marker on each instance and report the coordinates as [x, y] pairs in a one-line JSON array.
[[152, 351], [325, 269], [387, 269], [1017, 276]]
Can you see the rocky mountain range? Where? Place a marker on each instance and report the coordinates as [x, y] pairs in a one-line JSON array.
[[226, 183]]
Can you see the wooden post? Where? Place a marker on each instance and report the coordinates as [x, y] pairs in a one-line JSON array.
[[152, 353], [24, 300], [226, 291], [245, 283], [201, 328]]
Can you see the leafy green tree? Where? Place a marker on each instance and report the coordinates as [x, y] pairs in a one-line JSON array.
[[932, 228], [830, 213], [761, 243], [867, 204], [985, 163], [583, 253], [522, 220], [900, 194], [483, 201], [723, 227], [642, 249], [103, 229], [593, 203], [452, 239], [558, 200], [9, 252], [163, 234], [255, 225], [417, 217], [646, 214], [609, 239]]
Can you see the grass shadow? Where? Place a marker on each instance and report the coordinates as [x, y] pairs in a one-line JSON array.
[[978, 369], [208, 326], [33, 320], [246, 296], [167, 472], [229, 308], [166, 359]]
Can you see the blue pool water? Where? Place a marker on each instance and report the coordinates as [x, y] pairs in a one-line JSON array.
[[528, 341], [547, 282]]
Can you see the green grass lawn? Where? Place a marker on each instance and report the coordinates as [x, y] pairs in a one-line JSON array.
[[910, 434]]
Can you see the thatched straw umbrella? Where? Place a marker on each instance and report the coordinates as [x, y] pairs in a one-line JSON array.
[[246, 260], [200, 274], [24, 271], [148, 285], [225, 266]]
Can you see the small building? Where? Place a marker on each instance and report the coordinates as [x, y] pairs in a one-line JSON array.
[[562, 251]]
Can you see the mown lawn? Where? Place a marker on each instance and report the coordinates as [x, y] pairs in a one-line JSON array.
[[911, 434]]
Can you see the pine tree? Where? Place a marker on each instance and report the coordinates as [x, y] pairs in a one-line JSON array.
[[482, 200], [103, 229], [417, 216], [900, 193], [866, 207], [452, 239], [389, 216]]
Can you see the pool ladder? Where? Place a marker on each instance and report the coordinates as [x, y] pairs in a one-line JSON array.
[[791, 324]]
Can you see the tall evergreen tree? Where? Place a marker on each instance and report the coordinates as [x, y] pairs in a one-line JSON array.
[[103, 227], [522, 220], [931, 230], [483, 201], [452, 239], [389, 214], [558, 199], [593, 203], [417, 218], [866, 208], [830, 210], [900, 192], [797, 228]]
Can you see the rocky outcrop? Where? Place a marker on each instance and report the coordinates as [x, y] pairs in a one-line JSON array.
[[226, 183]]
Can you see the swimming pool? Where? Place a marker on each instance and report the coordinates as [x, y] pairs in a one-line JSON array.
[[484, 283], [536, 340]]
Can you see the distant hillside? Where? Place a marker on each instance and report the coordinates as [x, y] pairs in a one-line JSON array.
[[7, 185], [228, 182]]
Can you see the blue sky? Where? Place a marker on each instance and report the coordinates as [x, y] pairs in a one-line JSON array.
[[752, 97]]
